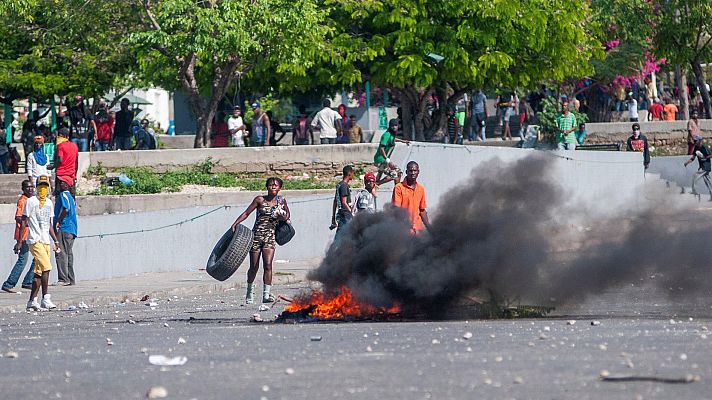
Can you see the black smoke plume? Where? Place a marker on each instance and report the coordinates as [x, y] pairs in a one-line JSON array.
[[507, 233]]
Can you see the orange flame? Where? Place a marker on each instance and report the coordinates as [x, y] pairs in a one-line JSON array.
[[339, 306]]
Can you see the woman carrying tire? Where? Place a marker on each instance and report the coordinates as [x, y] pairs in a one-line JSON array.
[[270, 209]]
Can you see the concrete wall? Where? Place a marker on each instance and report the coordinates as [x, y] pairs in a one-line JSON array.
[[589, 176], [658, 132], [251, 159], [673, 170]]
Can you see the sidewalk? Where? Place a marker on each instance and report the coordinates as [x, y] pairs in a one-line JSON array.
[[158, 284]]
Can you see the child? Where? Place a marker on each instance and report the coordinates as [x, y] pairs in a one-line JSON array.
[[581, 134]]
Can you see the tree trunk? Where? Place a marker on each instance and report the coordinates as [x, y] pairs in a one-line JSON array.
[[701, 84], [408, 100], [436, 130], [681, 83]]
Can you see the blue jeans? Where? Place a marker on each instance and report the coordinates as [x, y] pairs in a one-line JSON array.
[[101, 145], [122, 143], [22, 257], [327, 140], [566, 146], [82, 144], [341, 223]]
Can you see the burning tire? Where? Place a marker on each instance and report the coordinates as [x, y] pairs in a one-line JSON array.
[[229, 253]]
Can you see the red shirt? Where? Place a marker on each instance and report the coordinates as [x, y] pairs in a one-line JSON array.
[[104, 130], [68, 153], [656, 111], [220, 135]]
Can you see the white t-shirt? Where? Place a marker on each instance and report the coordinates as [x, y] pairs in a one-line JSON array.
[[39, 221], [35, 170], [326, 121], [633, 108], [233, 124], [363, 202]]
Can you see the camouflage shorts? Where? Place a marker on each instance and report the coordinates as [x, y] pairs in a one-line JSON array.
[[385, 169]]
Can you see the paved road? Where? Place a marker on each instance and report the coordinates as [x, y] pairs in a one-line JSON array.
[[67, 354]]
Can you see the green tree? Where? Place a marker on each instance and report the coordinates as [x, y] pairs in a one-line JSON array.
[[200, 47], [68, 47], [445, 48]]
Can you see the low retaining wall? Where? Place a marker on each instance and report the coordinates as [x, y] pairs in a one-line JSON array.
[[659, 133], [184, 241]]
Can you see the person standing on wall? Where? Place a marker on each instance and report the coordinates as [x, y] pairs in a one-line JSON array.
[[703, 155], [341, 212], [382, 158], [37, 216], [65, 226], [693, 129], [328, 122], [565, 127], [410, 195], [23, 253], [638, 142], [261, 129], [270, 209], [122, 127], [301, 128]]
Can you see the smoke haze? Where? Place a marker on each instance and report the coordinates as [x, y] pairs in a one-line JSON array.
[[512, 235]]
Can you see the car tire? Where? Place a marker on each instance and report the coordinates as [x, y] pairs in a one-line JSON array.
[[229, 253]]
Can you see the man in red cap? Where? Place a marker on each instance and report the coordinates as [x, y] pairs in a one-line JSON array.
[[365, 200]]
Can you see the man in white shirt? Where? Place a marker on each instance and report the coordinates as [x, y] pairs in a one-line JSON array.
[[37, 216], [236, 127], [328, 122], [632, 108]]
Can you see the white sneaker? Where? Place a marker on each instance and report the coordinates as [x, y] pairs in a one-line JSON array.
[[33, 305], [47, 302]]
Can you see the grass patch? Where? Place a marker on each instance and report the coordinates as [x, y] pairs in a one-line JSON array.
[[280, 273], [148, 182]]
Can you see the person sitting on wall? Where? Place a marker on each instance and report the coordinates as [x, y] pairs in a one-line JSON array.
[[382, 157]]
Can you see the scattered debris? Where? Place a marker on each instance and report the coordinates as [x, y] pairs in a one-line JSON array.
[[683, 356], [131, 321], [165, 324], [595, 323], [256, 318], [265, 388], [547, 329], [145, 297], [315, 338], [263, 307], [157, 392], [71, 308], [518, 380], [436, 341], [181, 340], [289, 371], [467, 336], [570, 322], [164, 361], [607, 377], [109, 342], [152, 304], [82, 305], [11, 354]]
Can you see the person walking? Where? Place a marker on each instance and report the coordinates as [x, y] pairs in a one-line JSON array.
[[365, 199], [65, 163], [328, 122], [37, 216], [638, 142], [261, 128], [566, 125], [341, 212], [271, 208], [410, 195], [382, 158], [703, 155], [122, 126], [37, 161], [28, 190], [478, 116], [65, 221]]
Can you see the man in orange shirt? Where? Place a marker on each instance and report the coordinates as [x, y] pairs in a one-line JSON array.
[[28, 190], [410, 195], [670, 110]]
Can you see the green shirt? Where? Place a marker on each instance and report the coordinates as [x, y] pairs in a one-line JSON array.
[[565, 123], [388, 141]]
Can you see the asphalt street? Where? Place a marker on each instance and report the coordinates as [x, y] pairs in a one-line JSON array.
[[103, 352]]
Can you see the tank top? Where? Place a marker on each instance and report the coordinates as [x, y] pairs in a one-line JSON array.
[[301, 128], [265, 219], [451, 127], [258, 128]]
